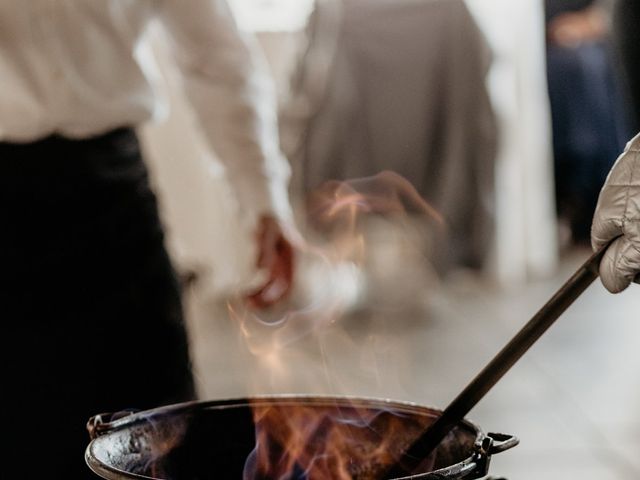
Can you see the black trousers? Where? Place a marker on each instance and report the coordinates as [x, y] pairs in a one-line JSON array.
[[90, 306]]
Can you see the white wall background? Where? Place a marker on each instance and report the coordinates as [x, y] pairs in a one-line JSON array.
[[271, 15], [526, 236]]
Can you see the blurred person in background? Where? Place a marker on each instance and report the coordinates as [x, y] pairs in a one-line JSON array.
[[589, 120], [626, 32], [92, 317]]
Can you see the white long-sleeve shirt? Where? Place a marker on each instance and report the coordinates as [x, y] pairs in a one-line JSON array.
[[80, 68]]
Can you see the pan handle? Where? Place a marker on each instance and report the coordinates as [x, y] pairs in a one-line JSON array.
[[502, 442], [103, 422]]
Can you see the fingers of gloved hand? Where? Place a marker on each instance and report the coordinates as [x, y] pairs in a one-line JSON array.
[[619, 199], [620, 265], [604, 228]]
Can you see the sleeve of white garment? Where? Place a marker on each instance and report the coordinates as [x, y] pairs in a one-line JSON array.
[[227, 82], [617, 220]]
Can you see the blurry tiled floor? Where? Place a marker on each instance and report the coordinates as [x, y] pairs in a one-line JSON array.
[[574, 399]]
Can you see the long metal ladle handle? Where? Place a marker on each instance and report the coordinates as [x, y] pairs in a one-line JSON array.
[[502, 362]]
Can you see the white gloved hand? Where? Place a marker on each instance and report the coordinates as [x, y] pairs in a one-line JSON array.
[[618, 215]]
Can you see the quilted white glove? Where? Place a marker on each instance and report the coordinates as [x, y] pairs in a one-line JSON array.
[[618, 215]]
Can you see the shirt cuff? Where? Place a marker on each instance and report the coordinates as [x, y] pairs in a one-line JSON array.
[[265, 194]]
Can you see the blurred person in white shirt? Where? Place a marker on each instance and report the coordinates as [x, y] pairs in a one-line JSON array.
[[92, 312]]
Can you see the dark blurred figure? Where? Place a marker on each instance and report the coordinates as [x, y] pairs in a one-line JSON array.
[[589, 118], [626, 33]]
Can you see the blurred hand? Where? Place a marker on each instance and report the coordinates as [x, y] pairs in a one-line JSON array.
[[618, 215], [276, 256]]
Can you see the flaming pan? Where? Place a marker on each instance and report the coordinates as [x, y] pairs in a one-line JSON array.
[[284, 437], [312, 438]]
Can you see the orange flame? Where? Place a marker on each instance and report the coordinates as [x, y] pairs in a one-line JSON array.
[[386, 193], [323, 444], [328, 443]]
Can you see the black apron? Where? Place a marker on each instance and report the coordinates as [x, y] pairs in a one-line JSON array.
[[91, 311]]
